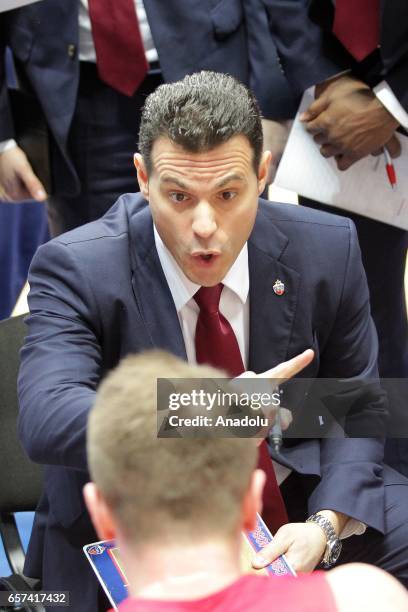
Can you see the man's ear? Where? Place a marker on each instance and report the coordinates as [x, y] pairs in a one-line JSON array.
[[263, 170], [99, 511], [252, 504], [142, 175]]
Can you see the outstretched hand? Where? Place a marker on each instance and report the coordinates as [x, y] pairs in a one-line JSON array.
[[276, 376], [285, 370]]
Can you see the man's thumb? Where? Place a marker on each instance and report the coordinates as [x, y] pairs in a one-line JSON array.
[[271, 552]]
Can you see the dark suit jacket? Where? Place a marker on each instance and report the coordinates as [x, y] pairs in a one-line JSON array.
[[96, 296], [310, 53], [190, 35]]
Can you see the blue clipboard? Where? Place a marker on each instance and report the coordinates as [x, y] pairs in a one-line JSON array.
[[104, 558]]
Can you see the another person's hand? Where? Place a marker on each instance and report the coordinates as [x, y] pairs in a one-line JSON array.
[[17, 179], [349, 122], [303, 544]]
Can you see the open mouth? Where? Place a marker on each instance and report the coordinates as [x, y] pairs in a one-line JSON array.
[[205, 259]]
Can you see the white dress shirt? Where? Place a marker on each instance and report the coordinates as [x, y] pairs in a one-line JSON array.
[[388, 99], [86, 44]]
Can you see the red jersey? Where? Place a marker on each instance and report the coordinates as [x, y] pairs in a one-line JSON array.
[[307, 593]]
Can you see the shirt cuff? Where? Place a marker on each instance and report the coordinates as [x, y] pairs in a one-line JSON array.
[[388, 99], [352, 527], [7, 144]]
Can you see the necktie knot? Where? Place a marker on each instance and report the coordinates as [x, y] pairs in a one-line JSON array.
[[208, 298]]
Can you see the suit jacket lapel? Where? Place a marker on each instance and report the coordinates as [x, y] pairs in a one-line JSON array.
[[271, 315], [150, 288]]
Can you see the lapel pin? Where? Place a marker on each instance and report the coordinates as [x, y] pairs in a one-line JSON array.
[[279, 287]]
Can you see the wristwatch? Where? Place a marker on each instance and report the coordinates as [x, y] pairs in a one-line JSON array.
[[333, 546]]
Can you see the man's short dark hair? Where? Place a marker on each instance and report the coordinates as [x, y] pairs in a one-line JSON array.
[[200, 112]]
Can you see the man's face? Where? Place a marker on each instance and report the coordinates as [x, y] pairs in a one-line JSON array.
[[203, 204]]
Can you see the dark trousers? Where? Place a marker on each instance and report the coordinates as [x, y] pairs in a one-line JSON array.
[[102, 141], [383, 250], [388, 551]]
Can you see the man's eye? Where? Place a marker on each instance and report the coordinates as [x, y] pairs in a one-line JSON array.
[[228, 195], [177, 196]]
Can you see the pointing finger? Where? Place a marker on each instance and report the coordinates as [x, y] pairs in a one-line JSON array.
[[288, 369]]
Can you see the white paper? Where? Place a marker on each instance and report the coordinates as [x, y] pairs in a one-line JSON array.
[[6, 5], [364, 188]]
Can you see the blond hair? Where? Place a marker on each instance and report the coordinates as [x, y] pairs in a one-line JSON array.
[[161, 488]]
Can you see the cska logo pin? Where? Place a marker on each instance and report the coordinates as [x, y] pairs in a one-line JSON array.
[[279, 287]]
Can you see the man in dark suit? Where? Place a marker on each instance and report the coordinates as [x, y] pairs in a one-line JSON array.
[[92, 123], [126, 283], [356, 53]]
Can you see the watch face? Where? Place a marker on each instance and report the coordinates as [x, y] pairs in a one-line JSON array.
[[334, 552]]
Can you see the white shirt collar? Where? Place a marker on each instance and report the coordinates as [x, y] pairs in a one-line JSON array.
[[182, 289]]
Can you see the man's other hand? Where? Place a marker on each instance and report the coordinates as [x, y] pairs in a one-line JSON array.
[[349, 122], [303, 544], [17, 179]]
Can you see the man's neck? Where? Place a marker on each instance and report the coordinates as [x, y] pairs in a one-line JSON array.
[[181, 572]]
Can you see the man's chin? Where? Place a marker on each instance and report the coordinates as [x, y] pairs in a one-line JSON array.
[[205, 272], [206, 280]]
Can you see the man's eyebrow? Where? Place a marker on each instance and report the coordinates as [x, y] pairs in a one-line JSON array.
[[229, 178], [221, 183], [175, 181]]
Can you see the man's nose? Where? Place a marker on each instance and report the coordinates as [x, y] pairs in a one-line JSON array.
[[204, 224]]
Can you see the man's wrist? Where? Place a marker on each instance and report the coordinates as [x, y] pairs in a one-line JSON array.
[[343, 77], [333, 544], [337, 519]]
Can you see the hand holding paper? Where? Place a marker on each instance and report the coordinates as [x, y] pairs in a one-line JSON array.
[[349, 122], [364, 188]]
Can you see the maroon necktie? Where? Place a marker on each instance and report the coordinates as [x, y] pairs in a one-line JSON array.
[[357, 26], [217, 345], [120, 55]]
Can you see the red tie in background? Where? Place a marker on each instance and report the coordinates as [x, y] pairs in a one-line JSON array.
[[120, 55], [217, 345], [357, 26]]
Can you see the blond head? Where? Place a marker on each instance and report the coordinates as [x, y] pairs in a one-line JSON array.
[[163, 488]]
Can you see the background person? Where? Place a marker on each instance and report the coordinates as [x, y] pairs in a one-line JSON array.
[[88, 86], [356, 54]]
